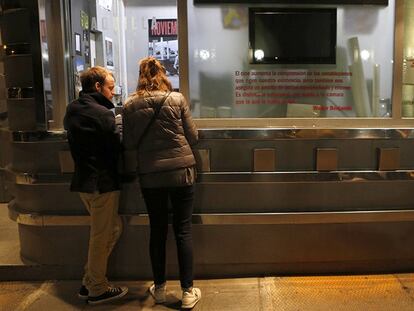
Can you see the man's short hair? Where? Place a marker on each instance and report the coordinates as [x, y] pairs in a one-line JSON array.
[[92, 75]]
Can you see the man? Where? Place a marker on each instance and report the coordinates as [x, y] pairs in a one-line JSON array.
[[95, 146]]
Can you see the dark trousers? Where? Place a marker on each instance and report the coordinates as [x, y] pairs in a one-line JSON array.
[[156, 200]]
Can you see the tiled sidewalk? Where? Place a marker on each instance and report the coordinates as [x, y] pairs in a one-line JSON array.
[[330, 293]]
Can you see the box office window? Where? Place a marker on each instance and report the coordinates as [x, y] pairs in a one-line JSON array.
[[225, 83]]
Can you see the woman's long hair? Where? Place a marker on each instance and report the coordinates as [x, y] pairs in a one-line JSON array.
[[152, 77]]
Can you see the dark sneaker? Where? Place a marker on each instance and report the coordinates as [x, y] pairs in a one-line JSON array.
[[83, 293], [112, 293]]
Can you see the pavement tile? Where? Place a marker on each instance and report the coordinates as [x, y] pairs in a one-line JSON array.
[[341, 293]]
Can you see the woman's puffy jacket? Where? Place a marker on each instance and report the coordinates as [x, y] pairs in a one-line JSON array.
[[166, 145]]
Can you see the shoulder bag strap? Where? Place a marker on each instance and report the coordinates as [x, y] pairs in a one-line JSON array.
[[157, 108]]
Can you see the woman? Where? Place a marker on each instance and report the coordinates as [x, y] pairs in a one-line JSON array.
[[158, 126]]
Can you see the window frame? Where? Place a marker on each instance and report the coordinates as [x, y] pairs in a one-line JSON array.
[[395, 121]]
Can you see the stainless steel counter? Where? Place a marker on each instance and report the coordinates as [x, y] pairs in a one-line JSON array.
[[267, 201]]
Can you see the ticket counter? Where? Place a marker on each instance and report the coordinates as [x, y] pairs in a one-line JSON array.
[[267, 202]]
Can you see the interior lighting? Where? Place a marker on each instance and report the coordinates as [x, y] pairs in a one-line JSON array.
[[365, 55], [259, 54], [204, 54]]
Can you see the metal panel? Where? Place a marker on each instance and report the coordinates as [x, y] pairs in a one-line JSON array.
[[326, 159], [233, 197], [238, 250], [5, 150], [19, 70], [56, 199], [389, 159], [66, 162], [265, 134], [3, 193], [306, 133], [354, 193], [37, 157], [293, 155], [264, 160], [227, 219], [203, 159], [4, 162], [3, 94], [22, 114]]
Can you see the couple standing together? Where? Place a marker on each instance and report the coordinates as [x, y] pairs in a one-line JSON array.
[[157, 134]]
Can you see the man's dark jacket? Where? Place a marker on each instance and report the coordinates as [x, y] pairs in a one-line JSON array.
[[94, 143]]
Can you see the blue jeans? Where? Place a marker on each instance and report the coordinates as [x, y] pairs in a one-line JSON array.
[[156, 200]]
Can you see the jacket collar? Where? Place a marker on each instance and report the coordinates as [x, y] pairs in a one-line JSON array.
[[98, 97]]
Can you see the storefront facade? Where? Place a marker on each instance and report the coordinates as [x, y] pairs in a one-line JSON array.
[[306, 156]]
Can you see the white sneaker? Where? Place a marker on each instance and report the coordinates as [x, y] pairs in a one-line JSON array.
[[158, 292], [191, 298]]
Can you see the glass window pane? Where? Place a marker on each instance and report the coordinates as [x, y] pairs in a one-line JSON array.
[[151, 30], [224, 82], [408, 64], [117, 34]]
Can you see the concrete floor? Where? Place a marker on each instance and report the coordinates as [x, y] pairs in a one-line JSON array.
[[308, 293]]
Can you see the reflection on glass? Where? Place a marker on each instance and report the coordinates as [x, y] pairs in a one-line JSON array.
[[16, 49], [18, 92], [45, 19], [258, 55]]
